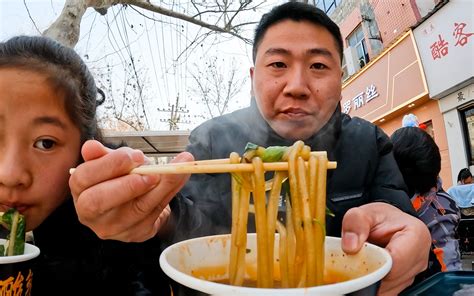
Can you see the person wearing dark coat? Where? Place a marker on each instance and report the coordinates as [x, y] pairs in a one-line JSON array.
[[365, 173], [74, 261], [296, 86]]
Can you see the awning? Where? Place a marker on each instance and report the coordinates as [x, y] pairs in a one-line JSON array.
[[154, 143]]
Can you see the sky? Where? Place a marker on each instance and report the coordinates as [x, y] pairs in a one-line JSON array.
[[108, 43]]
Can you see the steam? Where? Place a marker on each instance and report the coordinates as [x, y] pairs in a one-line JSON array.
[[204, 205]]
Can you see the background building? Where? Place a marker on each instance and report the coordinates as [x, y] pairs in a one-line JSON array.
[[411, 56], [446, 46]]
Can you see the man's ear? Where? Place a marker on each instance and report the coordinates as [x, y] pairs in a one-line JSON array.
[[252, 69]]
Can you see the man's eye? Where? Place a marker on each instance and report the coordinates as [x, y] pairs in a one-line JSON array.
[[278, 65], [45, 144], [318, 66]]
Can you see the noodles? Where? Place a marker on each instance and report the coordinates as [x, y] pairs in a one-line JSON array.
[[301, 237]]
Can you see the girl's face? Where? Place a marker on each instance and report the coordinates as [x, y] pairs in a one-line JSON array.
[[38, 145]]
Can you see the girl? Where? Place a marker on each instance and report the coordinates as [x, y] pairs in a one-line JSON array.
[[47, 111]]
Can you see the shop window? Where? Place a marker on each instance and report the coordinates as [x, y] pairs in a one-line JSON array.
[[467, 116], [357, 40], [328, 6], [345, 71]]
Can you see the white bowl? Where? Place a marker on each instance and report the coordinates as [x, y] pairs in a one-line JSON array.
[[31, 251], [180, 261]]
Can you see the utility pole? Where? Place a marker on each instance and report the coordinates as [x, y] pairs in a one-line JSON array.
[[175, 115]]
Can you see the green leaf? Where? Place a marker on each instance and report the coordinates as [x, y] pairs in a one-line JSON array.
[[250, 147], [20, 235], [7, 218], [251, 151], [273, 153], [329, 213], [15, 222], [269, 154]]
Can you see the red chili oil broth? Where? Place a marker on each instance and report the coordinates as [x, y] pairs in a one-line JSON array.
[[216, 274]]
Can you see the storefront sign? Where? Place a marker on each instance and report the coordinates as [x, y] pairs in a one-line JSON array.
[[360, 99], [391, 80], [440, 48], [446, 43]]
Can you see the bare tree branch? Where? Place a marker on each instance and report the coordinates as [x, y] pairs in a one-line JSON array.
[[66, 28], [217, 88], [213, 17], [29, 15]]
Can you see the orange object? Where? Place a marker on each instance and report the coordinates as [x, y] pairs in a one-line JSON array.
[[417, 202], [439, 255]]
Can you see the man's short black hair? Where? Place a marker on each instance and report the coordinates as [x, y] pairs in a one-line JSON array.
[[418, 158], [296, 11]]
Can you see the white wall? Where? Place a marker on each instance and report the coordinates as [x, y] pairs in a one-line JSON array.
[[454, 131], [455, 69]]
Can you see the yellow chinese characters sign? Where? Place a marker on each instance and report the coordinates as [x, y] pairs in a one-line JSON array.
[[17, 286]]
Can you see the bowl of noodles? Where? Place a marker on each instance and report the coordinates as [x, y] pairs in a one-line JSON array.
[[202, 265], [287, 256]]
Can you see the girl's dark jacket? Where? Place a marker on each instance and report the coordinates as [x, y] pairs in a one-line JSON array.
[[74, 261]]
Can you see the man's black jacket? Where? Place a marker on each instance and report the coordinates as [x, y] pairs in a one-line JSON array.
[[366, 170]]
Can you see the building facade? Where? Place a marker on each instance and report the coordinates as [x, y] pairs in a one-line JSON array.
[[446, 45], [395, 63]]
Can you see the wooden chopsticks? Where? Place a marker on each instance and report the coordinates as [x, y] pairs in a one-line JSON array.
[[211, 166], [184, 168]]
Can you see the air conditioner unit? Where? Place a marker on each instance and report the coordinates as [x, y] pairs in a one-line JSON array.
[[352, 61]]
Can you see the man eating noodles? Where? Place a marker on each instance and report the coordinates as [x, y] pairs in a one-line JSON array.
[[296, 93]]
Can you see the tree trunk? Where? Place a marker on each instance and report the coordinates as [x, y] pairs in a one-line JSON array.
[[67, 27]]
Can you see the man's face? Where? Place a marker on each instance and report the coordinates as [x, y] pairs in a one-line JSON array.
[[296, 80]]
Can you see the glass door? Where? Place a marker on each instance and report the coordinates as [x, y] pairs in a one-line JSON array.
[[467, 117]]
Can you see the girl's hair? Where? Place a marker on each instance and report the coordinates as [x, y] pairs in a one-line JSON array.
[[418, 158], [65, 71], [464, 174]]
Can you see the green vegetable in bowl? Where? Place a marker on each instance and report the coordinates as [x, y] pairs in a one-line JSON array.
[[13, 221]]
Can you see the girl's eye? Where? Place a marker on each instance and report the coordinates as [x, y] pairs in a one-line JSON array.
[[45, 144], [318, 66], [278, 65]]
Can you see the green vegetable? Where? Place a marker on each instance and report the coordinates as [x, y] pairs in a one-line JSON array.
[[15, 223], [329, 213], [269, 154], [274, 153]]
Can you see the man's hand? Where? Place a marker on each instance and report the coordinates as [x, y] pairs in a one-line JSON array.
[[405, 237], [118, 205]]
